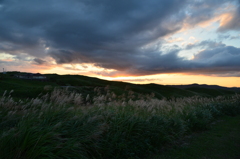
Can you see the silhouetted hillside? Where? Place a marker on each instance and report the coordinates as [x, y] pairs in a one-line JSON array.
[[86, 85]]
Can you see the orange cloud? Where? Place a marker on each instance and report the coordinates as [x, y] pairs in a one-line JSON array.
[[7, 60], [225, 19], [222, 17]]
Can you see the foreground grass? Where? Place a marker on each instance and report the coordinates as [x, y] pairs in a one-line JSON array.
[[221, 142], [60, 125]]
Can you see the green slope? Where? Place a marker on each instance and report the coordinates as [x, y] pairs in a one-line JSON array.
[[23, 88], [210, 92], [86, 85]]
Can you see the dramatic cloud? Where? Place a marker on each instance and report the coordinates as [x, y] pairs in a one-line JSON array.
[[206, 43], [221, 59], [39, 61], [125, 36], [234, 21]]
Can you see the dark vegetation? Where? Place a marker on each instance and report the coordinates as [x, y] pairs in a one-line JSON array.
[[85, 85], [221, 142], [83, 117]]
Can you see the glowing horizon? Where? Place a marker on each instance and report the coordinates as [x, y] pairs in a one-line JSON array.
[[183, 42]]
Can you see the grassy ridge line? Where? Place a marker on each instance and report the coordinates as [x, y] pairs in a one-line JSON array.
[[221, 142], [85, 85], [209, 91]]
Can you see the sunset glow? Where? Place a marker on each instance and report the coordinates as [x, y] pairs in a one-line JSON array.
[[166, 42]]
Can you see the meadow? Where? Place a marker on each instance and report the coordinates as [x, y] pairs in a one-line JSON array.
[[62, 123]]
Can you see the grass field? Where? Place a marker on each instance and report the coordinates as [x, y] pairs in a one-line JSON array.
[[72, 116], [64, 124]]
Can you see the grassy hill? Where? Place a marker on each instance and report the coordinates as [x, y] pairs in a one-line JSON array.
[[67, 124], [209, 90], [86, 85]]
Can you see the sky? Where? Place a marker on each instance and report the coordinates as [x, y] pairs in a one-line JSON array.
[[169, 42]]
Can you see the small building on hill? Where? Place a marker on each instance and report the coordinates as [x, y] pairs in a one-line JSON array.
[[36, 76]]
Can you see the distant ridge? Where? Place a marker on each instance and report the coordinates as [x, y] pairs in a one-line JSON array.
[[206, 86], [86, 86]]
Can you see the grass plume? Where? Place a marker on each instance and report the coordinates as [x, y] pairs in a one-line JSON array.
[[64, 124]]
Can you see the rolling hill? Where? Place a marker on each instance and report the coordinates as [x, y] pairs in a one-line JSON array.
[[86, 85]]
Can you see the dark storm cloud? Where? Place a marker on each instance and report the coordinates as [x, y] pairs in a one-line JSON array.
[[39, 61], [222, 56], [109, 34], [63, 56], [216, 60]]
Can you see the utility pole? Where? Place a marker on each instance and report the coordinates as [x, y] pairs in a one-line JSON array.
[[2, 75], [3, 71]]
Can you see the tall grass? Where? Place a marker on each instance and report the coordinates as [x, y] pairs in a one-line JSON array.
[[65, 124]]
